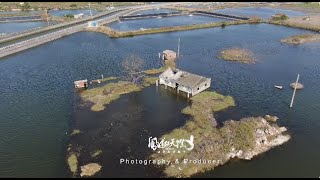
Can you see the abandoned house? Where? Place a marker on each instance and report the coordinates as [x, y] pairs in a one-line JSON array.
[[189, 83], [169, 55]]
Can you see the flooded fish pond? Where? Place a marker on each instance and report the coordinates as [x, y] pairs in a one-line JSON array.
[[129, 25], [40, 107], [263, 12], [12, 27], [155, 11]]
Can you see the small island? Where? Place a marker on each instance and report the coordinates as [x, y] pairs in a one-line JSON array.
[[237, 54], [301, 39], [242, 139]]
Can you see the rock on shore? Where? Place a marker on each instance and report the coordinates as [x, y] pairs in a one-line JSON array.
[[90, 169]]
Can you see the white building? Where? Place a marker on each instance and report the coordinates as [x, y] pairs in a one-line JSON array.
[[189, 83], [78, 16]]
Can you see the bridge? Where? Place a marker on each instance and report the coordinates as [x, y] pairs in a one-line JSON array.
[[53, 32]]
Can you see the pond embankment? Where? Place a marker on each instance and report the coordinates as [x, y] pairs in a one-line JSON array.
[[116, 34]]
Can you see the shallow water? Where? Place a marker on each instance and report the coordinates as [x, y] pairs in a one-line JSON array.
[[38, 99], [129, 25], [262, 12], [12, 27]]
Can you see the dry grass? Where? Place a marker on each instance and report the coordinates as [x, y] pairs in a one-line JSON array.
[[237, 54], [155, 71], [102, 96], [73, 163], [65, 5], [301, 39], [148, 81], [202, 127], [300, 22]]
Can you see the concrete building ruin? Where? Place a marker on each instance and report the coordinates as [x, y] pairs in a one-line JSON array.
[[169, 55], [189, 83]]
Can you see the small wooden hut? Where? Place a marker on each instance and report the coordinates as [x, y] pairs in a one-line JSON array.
[[81, 83]]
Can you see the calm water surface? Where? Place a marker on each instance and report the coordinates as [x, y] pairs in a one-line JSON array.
[[262, 12], [155, 11], [129, 25], [39, 105], [12, 27]]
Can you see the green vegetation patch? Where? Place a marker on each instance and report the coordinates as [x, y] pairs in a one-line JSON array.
[[73, 163], [148, 81], [96, 153], [237, 54], [108, 79], [75, 132], [208, 140], [301, 39], [102, 96], [155, 71]]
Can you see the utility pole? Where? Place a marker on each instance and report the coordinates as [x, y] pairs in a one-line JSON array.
[[90, 10], [294, 91], [179, 47], [47, 16]]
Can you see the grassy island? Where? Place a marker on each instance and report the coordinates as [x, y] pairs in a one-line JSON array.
[[242, 139], [102, 96], [301, 39], [237, 54]]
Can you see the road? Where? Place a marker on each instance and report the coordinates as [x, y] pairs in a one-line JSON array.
[[76, 26]]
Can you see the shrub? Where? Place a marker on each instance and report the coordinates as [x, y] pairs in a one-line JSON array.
[[278, 17], [69, 15], [255, 19], [73, 5]]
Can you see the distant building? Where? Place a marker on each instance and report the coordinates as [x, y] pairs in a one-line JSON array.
[[15, 9], [92, 24], [78, 16], [81, 83], [189, 83]]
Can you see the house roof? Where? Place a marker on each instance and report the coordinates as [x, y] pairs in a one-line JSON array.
[[168, 51], [183, 78]]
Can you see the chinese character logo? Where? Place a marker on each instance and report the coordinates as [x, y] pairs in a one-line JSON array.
[[172, 144]]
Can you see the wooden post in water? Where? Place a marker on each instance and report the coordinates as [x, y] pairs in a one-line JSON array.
[[294, 91]]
